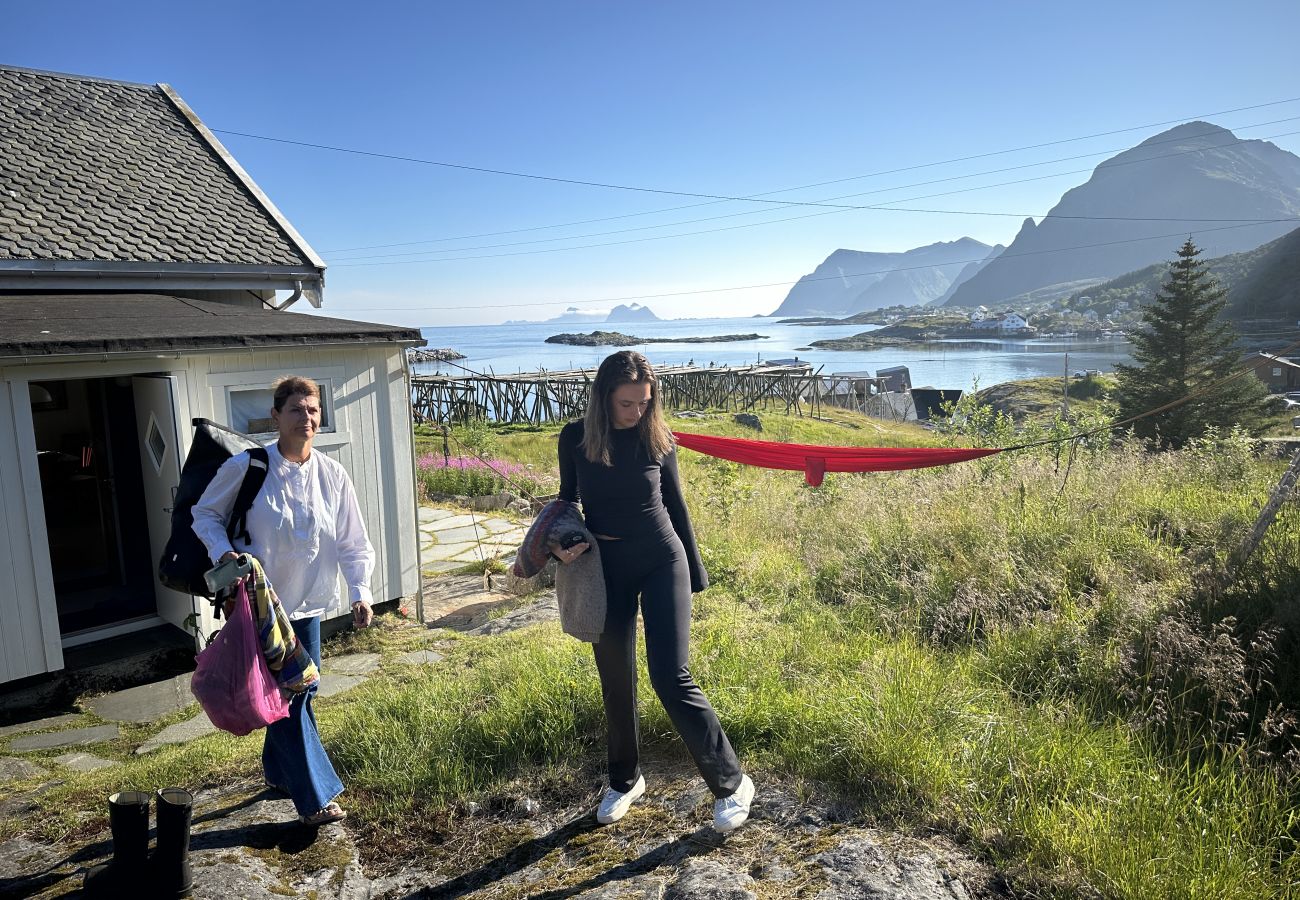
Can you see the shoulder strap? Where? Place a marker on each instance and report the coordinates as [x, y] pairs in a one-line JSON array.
[[258, 462]]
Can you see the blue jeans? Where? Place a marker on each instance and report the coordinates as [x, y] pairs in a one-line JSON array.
[[292, 757]]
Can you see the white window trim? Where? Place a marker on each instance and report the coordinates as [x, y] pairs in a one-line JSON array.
[[223, 384]]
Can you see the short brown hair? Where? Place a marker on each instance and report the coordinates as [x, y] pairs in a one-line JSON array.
[[289, 385]]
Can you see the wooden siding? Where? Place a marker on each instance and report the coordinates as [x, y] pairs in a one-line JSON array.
[[370, 435], [29, 640]]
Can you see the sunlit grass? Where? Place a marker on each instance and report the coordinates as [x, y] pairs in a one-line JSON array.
[[1006, 650]]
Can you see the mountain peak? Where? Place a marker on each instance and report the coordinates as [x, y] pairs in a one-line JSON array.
[[1197, 130], [1116, 222]]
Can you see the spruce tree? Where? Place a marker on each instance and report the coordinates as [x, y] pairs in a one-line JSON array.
[[1183, 347]]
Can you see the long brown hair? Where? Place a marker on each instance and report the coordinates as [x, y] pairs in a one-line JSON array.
[[618, 369]]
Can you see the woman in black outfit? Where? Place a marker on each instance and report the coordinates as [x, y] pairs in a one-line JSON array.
[[621, 461]]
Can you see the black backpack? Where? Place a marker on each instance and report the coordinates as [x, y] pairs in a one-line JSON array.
[[185, 559]]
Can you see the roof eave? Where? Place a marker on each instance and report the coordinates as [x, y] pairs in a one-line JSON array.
[[34, 354], [152, 277]]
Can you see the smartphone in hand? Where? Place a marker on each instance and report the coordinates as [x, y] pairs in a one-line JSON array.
[[224, 574]]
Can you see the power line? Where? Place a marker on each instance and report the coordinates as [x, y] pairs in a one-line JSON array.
[[853, 178], [355, 262], [748, 287], [574, 181], [752, 212]]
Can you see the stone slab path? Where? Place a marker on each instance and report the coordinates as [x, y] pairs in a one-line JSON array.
[[450, 539]]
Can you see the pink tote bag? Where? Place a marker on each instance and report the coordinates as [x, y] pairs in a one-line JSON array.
[[232, 682]]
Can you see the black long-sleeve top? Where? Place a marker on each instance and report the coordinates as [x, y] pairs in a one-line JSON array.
[[633, 497]]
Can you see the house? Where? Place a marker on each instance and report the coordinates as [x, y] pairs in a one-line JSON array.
[[980, 314], [144, 279], [1012, 321], [1278, 373], [895, 378], [1003, 322]]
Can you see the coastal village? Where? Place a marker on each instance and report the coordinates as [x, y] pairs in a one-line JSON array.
[[1026, 639]]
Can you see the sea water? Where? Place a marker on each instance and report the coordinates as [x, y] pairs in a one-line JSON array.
[[508, 349]]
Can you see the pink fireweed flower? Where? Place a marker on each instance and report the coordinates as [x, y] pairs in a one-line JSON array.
[[431, 461]]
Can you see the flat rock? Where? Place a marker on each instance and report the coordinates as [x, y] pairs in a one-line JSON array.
[[40, 724], [333, 685], [442, 552], [858, 868], [23, 862], [457, 520], [14, 769], [146, 703], [545, 610], [245, 845], [350, 664], [433, 514], [420, 658], [76, 737], [464, 534], [84, 762], [705, 879], [180, 733]]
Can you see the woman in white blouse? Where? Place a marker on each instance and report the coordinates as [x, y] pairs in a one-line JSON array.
[[305, 528]]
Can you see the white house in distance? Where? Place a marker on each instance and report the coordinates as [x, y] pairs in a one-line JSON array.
[[139, 271], [1004, 322]]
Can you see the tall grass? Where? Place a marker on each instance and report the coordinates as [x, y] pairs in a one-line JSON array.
[[1017, 649], [1021, 650]]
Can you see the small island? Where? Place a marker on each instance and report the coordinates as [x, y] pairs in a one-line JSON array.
[[618, 339], [432, 354], [916, 331]]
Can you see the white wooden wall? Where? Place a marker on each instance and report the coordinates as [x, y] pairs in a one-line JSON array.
[[29, 628], [371, 437]]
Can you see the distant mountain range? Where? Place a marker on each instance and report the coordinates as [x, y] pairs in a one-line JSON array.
[[1195, 179], [854, 281], [1263, 283], [1135, 210], [633, 312]]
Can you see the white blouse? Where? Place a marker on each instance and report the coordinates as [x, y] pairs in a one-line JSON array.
[[305, 526]]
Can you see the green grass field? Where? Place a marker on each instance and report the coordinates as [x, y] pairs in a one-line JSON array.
[[1018, 651]]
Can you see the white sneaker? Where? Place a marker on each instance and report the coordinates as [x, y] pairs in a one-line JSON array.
[[615, 804], [729, 813]]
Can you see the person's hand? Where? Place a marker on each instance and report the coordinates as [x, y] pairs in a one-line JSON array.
[[362, 614], [568, 555], [228, 606]]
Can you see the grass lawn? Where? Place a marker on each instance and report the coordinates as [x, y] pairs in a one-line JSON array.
[[1016, 651]]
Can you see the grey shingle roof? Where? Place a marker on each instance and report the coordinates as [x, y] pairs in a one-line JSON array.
[[94, 170], [44, 325]]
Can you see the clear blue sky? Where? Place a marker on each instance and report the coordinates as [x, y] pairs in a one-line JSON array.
[[732, 98]]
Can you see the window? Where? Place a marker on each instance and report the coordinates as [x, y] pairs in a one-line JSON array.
[[156, 443], [250, 408], [1277, 371]]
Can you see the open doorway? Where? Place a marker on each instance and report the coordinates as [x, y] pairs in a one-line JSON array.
[[89, 460]]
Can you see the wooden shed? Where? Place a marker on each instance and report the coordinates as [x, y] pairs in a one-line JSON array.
[[143, 282]]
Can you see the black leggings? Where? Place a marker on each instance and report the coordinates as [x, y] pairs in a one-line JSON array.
[[655, 569]]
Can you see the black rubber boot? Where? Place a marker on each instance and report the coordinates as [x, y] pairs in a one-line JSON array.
[[128, 818], [170, 864]]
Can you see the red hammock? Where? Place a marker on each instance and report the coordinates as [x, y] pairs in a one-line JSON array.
[[815, 461]]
